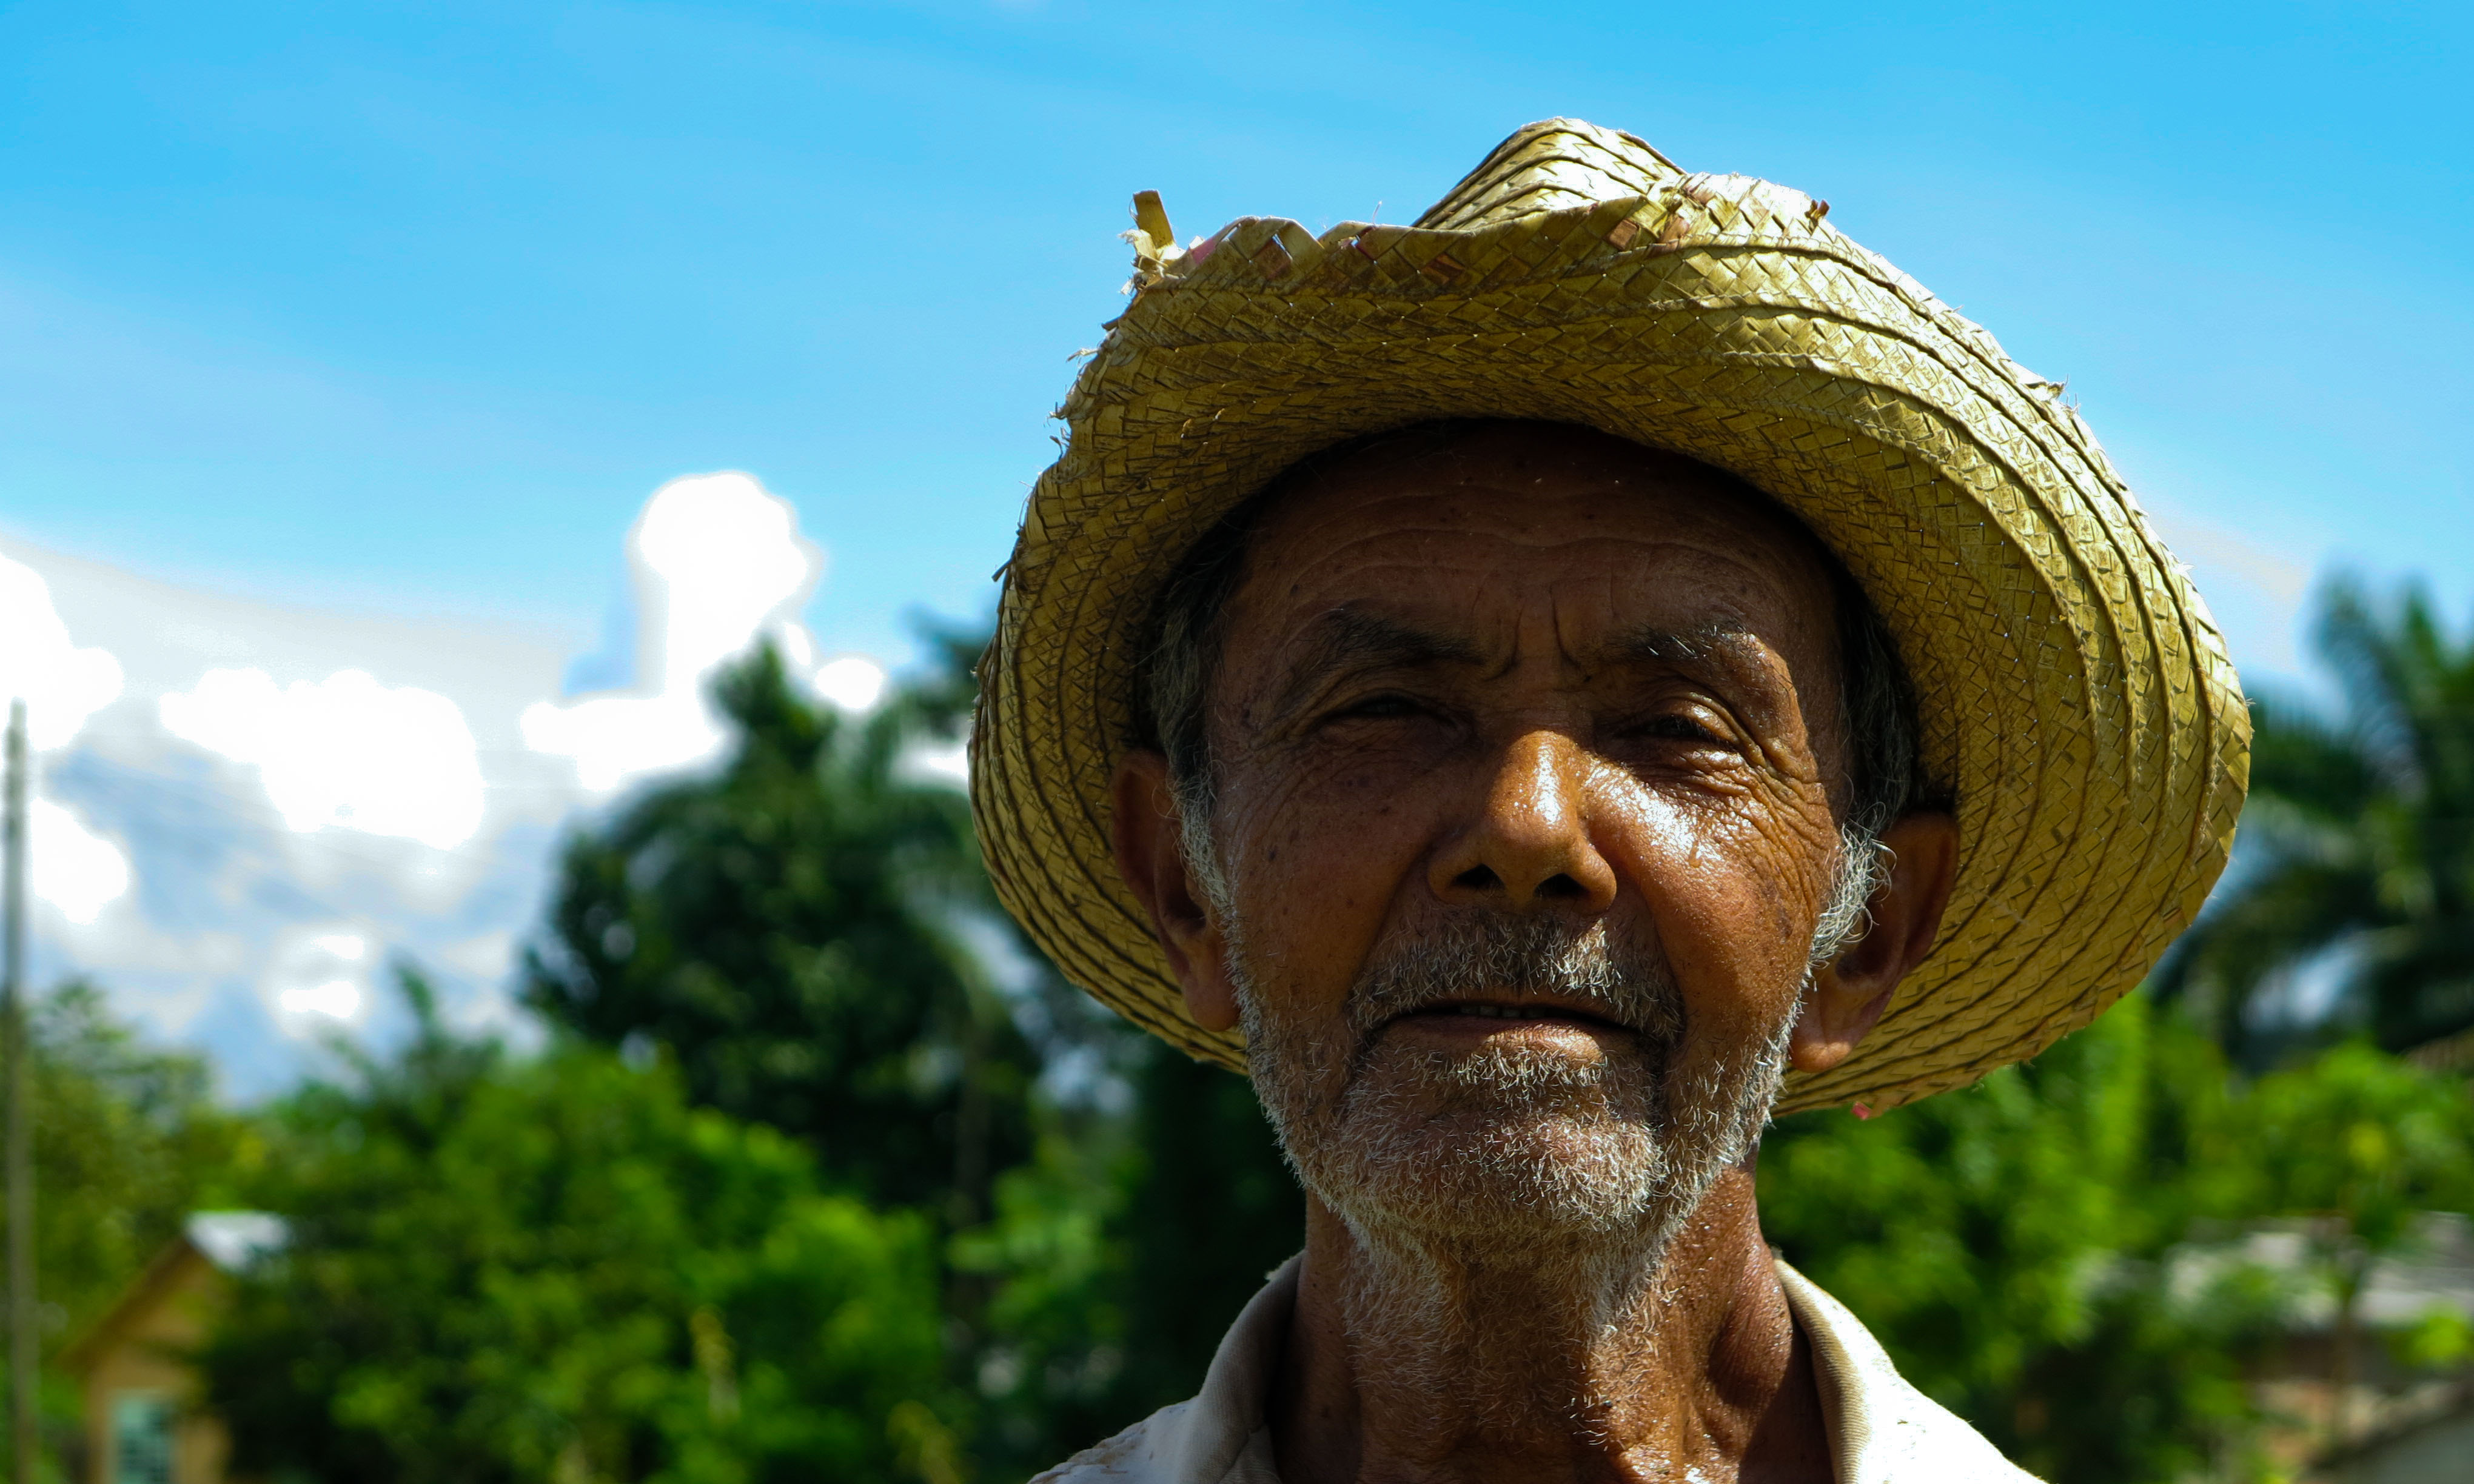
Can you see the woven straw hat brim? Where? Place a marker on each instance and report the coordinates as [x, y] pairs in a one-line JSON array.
[[2074, 695]]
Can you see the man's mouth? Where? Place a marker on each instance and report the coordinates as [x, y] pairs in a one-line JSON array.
[[1486, 1017]]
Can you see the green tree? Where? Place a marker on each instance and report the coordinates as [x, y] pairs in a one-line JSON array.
[[555, 1269], [128, 1141], [1119, 1256], [2012, 1245], [2358, 839], [809, 931], [2358, 1145], [1211, 1208], [1121, 1252], [789, 927], [2058, 1253]]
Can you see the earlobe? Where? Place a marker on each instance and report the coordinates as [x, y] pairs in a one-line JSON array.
[[1148, 840], [1849, 995]]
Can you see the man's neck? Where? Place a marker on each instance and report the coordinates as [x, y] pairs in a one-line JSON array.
[[1414, 1362]]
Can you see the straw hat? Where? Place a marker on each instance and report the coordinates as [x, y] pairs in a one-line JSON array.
[[2074, 692]]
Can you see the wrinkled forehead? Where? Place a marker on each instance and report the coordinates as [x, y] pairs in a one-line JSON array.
[[1476, 526]]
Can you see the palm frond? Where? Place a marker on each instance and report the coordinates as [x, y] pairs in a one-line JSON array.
[[2360, 829]]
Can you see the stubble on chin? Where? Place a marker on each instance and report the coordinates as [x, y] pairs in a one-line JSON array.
[[1522, 1173], [1514, 1148]]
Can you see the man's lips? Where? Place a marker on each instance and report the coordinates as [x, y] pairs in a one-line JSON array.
[[1484, 1017]]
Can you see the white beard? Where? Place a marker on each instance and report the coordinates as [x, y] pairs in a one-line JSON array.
[[1573, 1174], [1509, 1147]]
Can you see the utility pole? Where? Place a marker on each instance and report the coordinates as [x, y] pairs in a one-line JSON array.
[[20, 1178]]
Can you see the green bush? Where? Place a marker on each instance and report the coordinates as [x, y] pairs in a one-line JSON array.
[[2056, 1253], [555, 1269]]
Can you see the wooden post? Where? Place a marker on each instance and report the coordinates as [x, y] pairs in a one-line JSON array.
[[22, 1348]]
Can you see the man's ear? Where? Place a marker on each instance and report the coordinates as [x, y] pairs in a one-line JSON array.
[[1150, 841], [1849, 992]]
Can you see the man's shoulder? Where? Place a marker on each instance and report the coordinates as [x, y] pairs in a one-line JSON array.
[[1882, 1428], [1217, 1436], [1130, 1455], [1172, 1446]]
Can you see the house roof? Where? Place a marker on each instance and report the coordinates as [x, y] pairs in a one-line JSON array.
[[230, 1242]]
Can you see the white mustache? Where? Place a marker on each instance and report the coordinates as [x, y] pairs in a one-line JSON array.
[[1495, 954]]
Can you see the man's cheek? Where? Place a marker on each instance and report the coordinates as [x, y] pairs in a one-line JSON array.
[[1790, 856], [1327, 848], [1724, 895]]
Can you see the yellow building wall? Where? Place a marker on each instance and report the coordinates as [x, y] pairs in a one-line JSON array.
[[138, 1350]]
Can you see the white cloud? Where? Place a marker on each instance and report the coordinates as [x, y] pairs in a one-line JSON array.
[[337, 1000], [479, 972], [347, 752], [717, 561], [302, 794], [70, 865], [61, 684], [725, 557], [320, 975], [485, 957], [616, 738], [950, 763], [854, 683], [199, 903]]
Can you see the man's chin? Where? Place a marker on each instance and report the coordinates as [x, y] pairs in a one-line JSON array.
[[1521, 1147], [1512, 1179]]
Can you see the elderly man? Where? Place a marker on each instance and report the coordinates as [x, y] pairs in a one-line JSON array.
[[1541, 690]]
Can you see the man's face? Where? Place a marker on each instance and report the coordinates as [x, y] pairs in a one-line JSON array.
[[1522, 826]]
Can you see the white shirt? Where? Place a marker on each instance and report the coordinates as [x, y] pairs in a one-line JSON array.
[[1881, 1430]]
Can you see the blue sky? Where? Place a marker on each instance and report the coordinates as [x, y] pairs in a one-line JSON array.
[[405, 310], [346, 346]]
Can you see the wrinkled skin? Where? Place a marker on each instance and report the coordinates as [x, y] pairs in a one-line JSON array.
[[1451, 684]]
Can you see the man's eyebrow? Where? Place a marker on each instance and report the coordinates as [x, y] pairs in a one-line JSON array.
[[1721, 639], [1346, 640]]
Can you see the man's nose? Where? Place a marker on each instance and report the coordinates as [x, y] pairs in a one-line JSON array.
[[1529, 843]]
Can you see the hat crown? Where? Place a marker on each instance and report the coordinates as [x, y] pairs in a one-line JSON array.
[[1547, 166]]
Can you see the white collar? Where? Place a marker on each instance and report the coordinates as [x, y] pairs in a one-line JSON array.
[[1881, 1430]]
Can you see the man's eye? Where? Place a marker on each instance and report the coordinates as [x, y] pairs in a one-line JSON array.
[[1378, 709], [1677, 729]]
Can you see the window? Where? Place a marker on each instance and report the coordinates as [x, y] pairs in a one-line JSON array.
[[141, 1438]]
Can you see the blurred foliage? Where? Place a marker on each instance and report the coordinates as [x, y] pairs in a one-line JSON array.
[[2049, 1252], [1122, 1254], [1211, 1208], [2364, 1141], [825, 1173], [2005, 1243], [128, 1141], [809, 932], [555, 1269], [2360, 1145], [2358, 840], [785, 928]]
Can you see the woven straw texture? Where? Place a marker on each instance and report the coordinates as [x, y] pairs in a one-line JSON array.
[[2075, 694]]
